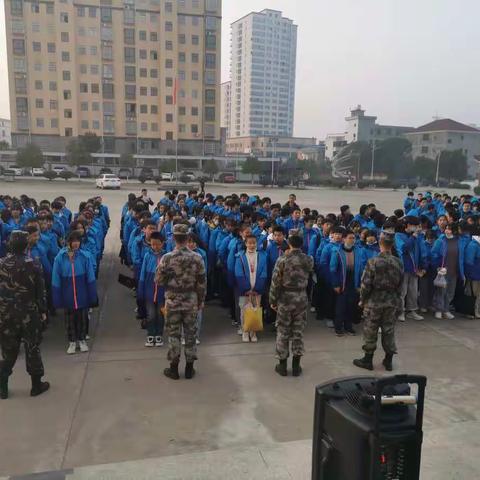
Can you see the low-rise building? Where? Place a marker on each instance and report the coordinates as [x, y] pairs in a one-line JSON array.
[[5, 130]]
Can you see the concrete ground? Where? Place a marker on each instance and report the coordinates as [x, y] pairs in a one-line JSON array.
[[112, 414]]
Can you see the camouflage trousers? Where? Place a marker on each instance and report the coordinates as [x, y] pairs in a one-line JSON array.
[[12, 334], [375, 318], [175, 321], [291, 322]]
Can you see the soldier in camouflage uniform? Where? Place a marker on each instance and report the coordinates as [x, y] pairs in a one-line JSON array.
[[182, 273], [380, 297], [22, 313], [288, 297]]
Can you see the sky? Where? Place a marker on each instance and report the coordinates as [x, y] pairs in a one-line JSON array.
[[405, 61]]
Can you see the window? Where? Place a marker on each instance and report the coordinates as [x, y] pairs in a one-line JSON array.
[[36, 27], [153, 36], [182, 20], [92, 12], [22, 105], [64, 36], [40, 123], [128, 16], [143, 73], [168, 45], [130, 92], [64, 17], [131, 127], [106, 15], [210, 23], [181, 93], [182, 111], [169, 100], [16, 8], [210, 97], [424, 150], [195, 75], [142, 35], [94, 88], [37, 47], [194, 111], [84, 88], [195, 57], [142, 54], [67, 94], [143, 91], [153, 55], [96, 125], [143, 108], [130, 74], [52, 86], [65, 56], [168, 26], [38, 67], [153, 109], [181, 57], [426, 137], [194, 93], [129, 36], [153, 18], [195, 3], [83, 68], [210, 60], [84, 106], [169, 82], [169, 135], [38, 85], [108, 125], [131, 109], [107, 90], [168, 7], [154, 127], [108, 108], [95, 106], [84, 124], [153, 91], [54, 122], [52, 67], [18, 46], [210, 41], [144, 126], [153, 73], [210, 114], [129, 55], [93, 50], [68, 132], [50, 47], [38, 103], [107, 52], [211, 5], [66, 75], [168, 63], [81, 31], [80, 11], [169, 117], [94, 69], [195, 22], [67, 113], [181, 74], [182, 128], [182, 39], [106, 33], [19, 65], [194, 128], [107, 70]]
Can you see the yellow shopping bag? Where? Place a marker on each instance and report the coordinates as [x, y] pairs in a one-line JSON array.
[[253, 316]]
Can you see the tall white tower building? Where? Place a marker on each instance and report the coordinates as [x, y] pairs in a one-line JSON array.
[[263, 63]]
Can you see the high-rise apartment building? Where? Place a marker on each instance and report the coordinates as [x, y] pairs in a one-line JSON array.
[[263, 63], [141, 74], [226, 92]]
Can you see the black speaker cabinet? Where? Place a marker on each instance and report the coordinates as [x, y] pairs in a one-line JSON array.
[[366, 428]]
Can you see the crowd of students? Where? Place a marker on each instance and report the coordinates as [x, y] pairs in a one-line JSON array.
[[240, 237], [69, 247]]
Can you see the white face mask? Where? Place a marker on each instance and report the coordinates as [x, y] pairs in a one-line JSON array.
[[449, 235]]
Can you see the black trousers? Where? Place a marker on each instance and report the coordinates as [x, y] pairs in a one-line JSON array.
[[76, 323]]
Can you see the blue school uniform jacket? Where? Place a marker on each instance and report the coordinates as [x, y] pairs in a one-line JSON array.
[[308, 236], [273, 251], [242, 273], [338, 267], [325, 257], [73, 281], [39, 252], [472, 261], [440, 250], [148, 290], [409, 251]]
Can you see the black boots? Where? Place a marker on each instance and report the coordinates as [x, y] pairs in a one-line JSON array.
[[296, 368], [38, 387], [172, 372], [3, 387], [281, 368], [189, 370], [365, 362], [387, 362]]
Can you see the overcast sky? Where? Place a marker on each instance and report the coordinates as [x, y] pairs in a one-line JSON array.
[[405, 61]]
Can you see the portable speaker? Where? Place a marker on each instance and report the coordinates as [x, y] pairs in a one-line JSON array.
[[367, 428]]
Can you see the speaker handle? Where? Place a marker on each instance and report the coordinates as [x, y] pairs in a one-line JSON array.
[[381, 383]]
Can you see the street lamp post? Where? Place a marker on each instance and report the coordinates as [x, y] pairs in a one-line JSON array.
[[373, 158], [274, 155], [438, 168]]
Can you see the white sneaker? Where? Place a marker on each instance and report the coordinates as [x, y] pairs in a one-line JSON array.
[[438, 315], [448, 316], [423, 310], [414, 316], [87, 337], [240, 331], [150, 342], [401, 317], [313, 309], [330, 324], [197, 341], [158, 341], [183, 341], [245, 337], [72, 348], [83, 346], [253, 337]]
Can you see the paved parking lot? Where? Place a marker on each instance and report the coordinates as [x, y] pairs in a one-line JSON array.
[[114, 405]]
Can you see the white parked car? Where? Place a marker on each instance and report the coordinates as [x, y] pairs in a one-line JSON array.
[[58, 168], [167, 177], [108, 180], [17, 170], [38, 172]]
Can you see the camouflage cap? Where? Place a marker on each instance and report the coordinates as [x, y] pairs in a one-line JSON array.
[[180, 229], [295, 232]]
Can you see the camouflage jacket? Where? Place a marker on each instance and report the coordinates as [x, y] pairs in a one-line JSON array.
[[382, 282], [182, 273], [290, 274], [22, 287]]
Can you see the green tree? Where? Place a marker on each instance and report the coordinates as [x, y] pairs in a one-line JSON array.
[[126, 160], [252, 166], [453, 165], [425, 168], [168, 166], [4, 145], [210, 167], [30, 156], [77, 154], [393, 158], [91, 142]]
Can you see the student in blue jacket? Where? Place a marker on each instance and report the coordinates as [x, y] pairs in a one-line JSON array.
[[472, 268], [346, 268], [448, 255], [250, 280], [150, 293], [74, 289], [425, 283]]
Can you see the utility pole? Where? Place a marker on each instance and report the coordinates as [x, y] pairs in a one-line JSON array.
[[438, 168]]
